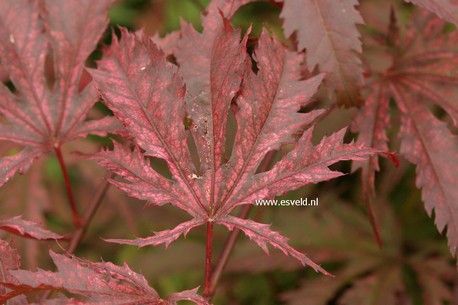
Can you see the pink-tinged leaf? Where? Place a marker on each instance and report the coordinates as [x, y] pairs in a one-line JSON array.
[[212, 64], [98, 127], [423, 72], [136, 76], [75, 28], [18, 163], [305, 164], [146, 93], [164, 237], [39, 116], [267, 109], [19, 226], [23, 55], [141, 181], [327, 30], [101, 283], [211, 22], [168, 42], [9, 260], [371, 123], [263, 235], [187, 295], [429, 144], [428, 63], [446, 9]]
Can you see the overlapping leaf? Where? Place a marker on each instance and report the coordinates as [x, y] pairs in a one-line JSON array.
[[101, 283], [327, 30], [9, 260], [446, 9], [19, 226], [429, 144], [423, 72], [47, 110]]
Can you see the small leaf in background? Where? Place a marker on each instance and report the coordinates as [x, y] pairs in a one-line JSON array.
[[9, 260], [446, 9], [46, 110], [327, 30], [19, 226], [423, 72]]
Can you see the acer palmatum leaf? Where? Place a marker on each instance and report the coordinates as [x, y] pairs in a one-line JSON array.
[[41, 118], [147, 93], [423, 71], [327, 30], [102, 283], [429, 144], [446, 9], [26, 228]]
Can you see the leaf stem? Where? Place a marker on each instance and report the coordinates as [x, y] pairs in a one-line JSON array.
[[230, 241], [225, 254], [76, 219], [208, 260]]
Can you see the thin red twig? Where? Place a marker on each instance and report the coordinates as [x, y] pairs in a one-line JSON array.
[[227, 250], [76, 219], [78, 235], [208, 259]]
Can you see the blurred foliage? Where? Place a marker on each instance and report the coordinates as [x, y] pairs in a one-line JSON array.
[[414, 266]]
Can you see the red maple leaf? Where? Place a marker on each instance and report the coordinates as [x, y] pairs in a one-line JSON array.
[[423, 72], [101, 283], [26, 228], [43, 113], [148, 95]]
